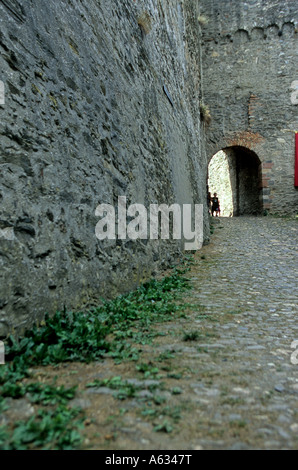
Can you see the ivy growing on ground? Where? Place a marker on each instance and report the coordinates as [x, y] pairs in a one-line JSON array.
[[115, 328]]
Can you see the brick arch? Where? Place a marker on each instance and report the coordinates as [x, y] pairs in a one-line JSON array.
[[250, 141]]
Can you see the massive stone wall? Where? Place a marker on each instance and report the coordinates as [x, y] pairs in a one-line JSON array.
[[86, 119], [249, 74]]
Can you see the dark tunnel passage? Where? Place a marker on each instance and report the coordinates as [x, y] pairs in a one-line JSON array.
[[235, 174]]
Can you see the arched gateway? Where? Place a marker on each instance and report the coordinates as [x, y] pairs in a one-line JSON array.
[[235, 174]]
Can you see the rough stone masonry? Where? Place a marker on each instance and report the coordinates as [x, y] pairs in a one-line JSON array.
[[104, 99], [249, 60], [101, 101]]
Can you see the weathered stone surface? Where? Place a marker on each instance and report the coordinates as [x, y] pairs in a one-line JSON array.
[[249, 56], [86, 119], [104, 99]]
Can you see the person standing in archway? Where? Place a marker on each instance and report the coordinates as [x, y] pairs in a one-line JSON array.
[[215, 206]]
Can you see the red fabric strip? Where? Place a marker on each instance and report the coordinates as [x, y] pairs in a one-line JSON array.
[[296, 160]]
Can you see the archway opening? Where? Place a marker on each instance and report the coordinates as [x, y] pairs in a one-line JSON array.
[[235, 174]]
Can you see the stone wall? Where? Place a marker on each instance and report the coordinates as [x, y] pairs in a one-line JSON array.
[[105, 99], [101, 101], [249, 52]]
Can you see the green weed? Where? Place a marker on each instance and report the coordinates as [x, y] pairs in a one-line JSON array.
[[164, 427], [49, 395], [115, 328], [176, 391], [191, 336], [124, 389], [149, 370], [52, 429]]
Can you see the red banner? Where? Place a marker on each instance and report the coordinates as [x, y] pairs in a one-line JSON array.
[[296, 160]]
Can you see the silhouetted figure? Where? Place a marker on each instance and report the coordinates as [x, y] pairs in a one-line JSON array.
[[215, 206]]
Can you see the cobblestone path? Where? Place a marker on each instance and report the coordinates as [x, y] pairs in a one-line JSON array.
[[225, 375], [239, 384], [249, 286]]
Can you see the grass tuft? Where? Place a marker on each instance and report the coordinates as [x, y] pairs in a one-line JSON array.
[[203, 20], [145, 22], [205, 113]]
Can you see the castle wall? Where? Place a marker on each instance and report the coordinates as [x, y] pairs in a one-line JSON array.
[[101, 101], [249, 57]]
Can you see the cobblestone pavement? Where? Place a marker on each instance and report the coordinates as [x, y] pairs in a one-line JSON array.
[[227, 370], [239, 385], [250, 286]]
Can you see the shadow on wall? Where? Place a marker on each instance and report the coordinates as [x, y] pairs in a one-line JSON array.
[[235, 175]]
